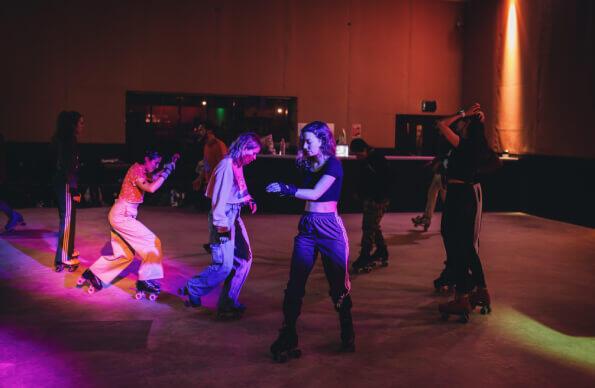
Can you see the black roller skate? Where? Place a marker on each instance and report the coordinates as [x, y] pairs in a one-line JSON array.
[[189, 300], [71, 265], [422, 221], [231, 313], [89, 278], [363, 264], [285, 347], [380, 255], [480, 297], [15, 220], [144, 287], [442, 285], [459, 306]]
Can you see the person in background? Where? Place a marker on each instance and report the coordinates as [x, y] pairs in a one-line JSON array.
[[69, 126], [374, 191]]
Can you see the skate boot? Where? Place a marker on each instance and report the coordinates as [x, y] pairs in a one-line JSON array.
[[15, 220], [363, 264], [89, 278], [442, 285], [381, 255], [421, 221], [71, 265], [459, 306], [144, 287], [346, 322], [480, 297], [231, 313], [285, 347], [189, 301]]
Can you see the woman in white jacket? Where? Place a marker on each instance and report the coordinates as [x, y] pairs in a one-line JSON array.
[[230, 246]]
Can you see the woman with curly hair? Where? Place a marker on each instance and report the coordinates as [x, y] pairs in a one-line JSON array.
[[230, 247], [320, 230]]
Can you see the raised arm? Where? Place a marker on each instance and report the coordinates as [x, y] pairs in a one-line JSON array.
[[444, 123]]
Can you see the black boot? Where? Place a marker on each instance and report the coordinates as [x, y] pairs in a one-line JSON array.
[[285, 346], [346, 322]]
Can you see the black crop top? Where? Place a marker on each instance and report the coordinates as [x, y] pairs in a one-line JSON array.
[[331, 167]]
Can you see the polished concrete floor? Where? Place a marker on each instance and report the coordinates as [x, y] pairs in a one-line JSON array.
[[541, 332]]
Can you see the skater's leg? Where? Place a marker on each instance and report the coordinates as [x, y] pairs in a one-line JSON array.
[[66, 211], [222, 258], [381, 252], [6, 209], [433, 191], [242, 263]]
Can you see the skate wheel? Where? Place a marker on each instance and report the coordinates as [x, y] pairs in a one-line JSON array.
[[72, 268], [152, 297], [91, 290], [139, 295], [464, 318], [385, 264], [485, 310], [80, 282], [59, 268]]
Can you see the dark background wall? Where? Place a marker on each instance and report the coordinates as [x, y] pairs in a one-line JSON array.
[[358, 61]]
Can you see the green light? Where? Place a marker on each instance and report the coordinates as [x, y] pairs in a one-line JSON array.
[[578, 351], [220, 113]]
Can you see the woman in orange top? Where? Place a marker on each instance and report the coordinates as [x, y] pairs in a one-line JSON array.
[[128, 235]]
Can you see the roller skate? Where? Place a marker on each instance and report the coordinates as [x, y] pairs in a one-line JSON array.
[[442, 285], [380, 255], [144, 287], [285, 347], [480, 297], [459, 306], [89, 278], [71, 265], [189, 300], [363, 264], [15, 220], [421, 221], [231, 313]]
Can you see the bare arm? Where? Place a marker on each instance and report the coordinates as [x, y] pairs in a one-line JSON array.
[[321, 187], [149, 187], [444, 124]]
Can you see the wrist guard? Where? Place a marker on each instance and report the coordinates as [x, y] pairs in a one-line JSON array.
[[287, 189]]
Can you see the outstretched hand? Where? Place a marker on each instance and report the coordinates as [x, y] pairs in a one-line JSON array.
[[282, 189]]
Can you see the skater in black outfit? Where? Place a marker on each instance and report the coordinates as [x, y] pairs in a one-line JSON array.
[[65, 181], [462, 212], [320, 230], [374, 191]]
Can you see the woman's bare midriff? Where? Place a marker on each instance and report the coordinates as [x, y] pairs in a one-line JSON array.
[[321, 207]]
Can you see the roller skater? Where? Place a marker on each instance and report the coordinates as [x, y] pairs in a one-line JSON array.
[[89, 278], [285, 347], [374, 192], [129, 237], [320, 230], [65, 181], [462, 210], [147, 289], [229, 243]]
